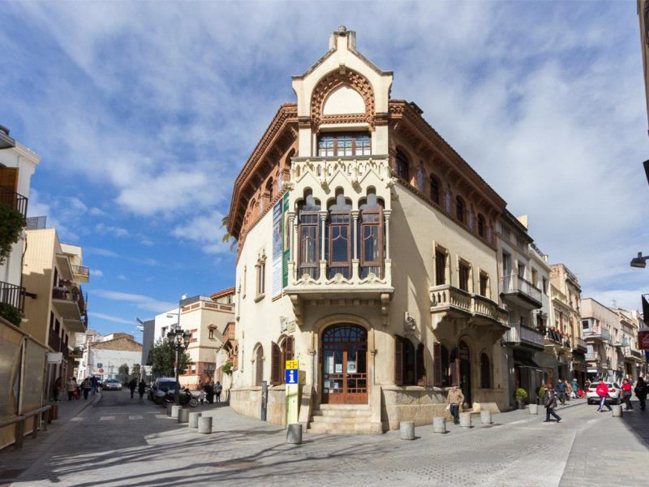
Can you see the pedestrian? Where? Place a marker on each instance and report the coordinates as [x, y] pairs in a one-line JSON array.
[[132, 386], [561, 391], [56, 390], [550, 402], [627, 392], [141, 388], [454, 400], [218, 388], [569, 392], [208, 388], [602, 393], [71, 387], [587, 384], [641, 392], [575, 386], [86, 386], [94, 383]]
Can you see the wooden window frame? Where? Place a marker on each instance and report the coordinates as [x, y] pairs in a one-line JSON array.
[[446, 277], [356, 149], [484, 278], [481, 226], [435, 186], [460, 209], [261, 279], [361, 240], [331, 264], [402, 161], [311, 266], [461, 265]]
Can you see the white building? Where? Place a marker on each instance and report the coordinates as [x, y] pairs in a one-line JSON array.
[[104, 358]]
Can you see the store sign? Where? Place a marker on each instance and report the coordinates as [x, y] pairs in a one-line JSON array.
[[643, 339], [54, 357]]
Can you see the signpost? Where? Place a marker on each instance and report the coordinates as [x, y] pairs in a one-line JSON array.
[[292, 391]]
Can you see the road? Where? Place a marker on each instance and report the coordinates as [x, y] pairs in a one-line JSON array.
[[119, 442]]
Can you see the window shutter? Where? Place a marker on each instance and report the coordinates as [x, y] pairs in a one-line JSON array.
[[275, 365], [290, 348], [398, 360], [455, 372], [9, 178], [438, 372], [420, 363]]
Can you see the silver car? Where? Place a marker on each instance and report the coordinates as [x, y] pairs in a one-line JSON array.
[[112, 385]]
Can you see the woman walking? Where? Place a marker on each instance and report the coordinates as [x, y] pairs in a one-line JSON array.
[[71, 387], [86, 386], [141, 388], [641, 392], [626, 394]]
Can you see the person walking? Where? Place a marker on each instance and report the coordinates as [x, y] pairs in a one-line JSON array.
[[602, 393], [627, 393], [218, 389], [141, 388], [71, 386], [132, 386], [86, 386], [550, 403], [56, 390], [641, 392], [455, 399], [561, 391], [208, 388], [575, 386], [568, 391], [94, 383]]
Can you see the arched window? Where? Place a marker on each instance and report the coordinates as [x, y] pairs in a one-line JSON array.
[[371, 237], [403, 165], [270, 190], [434, 189], [485, 372], [482, 226], [339, 238], [309, 237], [459, 209], [259, 365]]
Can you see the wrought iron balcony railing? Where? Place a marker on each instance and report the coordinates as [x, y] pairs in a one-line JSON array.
[[12, 295]]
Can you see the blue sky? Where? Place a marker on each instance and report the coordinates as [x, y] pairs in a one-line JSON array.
[[144, 113]]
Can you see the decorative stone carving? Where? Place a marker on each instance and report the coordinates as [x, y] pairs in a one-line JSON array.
[[331, 82], [409, 324]]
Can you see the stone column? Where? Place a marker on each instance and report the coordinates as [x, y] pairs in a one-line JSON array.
[[355, 262], [323, 242], [291, 236], [387, 214]]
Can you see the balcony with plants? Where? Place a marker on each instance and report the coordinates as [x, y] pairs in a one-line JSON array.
[[68, 298]]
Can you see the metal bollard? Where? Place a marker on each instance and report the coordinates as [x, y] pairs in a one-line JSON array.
[[205, 425], [407, 430], [534, 408], [193, 419], [617, 411], [183, 415], [485, 417], [294, 434], [174, 411], [439, 425], [465, 420]]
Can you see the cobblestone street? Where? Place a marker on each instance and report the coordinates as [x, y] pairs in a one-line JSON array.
[[119, 441]]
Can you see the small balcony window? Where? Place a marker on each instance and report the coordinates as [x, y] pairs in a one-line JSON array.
[[440, 267], [344, 144]]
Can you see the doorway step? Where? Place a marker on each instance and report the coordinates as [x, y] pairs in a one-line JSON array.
[[344, 419]]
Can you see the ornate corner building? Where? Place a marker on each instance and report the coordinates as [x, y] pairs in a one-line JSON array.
[[367, 251]]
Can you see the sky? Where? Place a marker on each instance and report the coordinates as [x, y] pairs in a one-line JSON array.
[[143, 114]]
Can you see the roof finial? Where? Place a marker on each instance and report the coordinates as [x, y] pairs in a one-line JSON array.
[[342, 30]]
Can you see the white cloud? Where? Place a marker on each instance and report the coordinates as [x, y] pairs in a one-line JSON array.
[[140, 301], [96, 273], [206, 231], [112, 230], [113, 319]]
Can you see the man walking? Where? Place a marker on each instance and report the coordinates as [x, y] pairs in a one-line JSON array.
[[602, 393], [454, 400], [641, 392], [132, 386], [550, 402], [561, 391]]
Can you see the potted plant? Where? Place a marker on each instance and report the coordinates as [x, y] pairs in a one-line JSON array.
[[520, 395]]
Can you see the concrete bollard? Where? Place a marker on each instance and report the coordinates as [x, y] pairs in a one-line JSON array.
[[439, 425], [205, 425], [465, 420], [534, 409], [617, 411], [174, 411], [407, 430], [294, 434], [193, 419], [485, 417], [168, 410], [183, 415]]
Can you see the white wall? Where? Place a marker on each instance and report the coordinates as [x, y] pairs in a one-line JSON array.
[[164, 323], [111, 361]]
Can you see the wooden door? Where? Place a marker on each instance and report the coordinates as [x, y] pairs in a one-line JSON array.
[[344, 365]]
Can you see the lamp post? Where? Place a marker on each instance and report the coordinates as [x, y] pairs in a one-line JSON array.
[[178, 341], [640, 261]]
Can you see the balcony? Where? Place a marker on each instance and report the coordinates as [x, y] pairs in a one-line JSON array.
[[520, 292], [593, 357], [14, 200], [580, 345], [449, 301], [12, 295], [633, 355], [72, 308], [524, 336], [554, 340], [81, 273], [601, 334]]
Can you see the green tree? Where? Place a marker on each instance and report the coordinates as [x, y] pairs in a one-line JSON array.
[[11, 224], [123, 373], [226, 236], [163, 357], [135, 371]]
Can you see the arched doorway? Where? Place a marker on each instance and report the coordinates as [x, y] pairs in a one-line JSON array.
[[465, 371], [344, 365]]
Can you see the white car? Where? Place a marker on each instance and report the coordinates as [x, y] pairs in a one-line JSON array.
[[613, 393], [112, 385]]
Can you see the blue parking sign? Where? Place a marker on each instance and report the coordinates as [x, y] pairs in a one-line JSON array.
[[291, 376]]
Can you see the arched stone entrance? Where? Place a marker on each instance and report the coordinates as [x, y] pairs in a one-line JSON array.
[[344, 366], [461, 358]]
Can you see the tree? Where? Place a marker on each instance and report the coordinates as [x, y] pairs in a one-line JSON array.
[[163, 358], [135, 371], [226, 236], [123, 373], [11, 225]]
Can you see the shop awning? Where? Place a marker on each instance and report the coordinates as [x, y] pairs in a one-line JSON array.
[[526, 362]]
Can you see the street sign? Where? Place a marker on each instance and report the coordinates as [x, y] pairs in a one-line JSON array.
[[292, 364], [292, 376]]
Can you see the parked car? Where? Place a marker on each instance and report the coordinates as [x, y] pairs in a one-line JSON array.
[[111, 385], [613, 393], [160, 388]]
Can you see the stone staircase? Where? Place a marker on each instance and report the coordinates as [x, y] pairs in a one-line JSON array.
[[344, 419]]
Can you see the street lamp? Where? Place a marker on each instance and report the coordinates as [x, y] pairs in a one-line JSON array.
[[640, 261], [178, 341]]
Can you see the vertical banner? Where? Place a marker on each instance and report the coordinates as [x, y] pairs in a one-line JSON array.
[[278, 247], [287, 240]]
